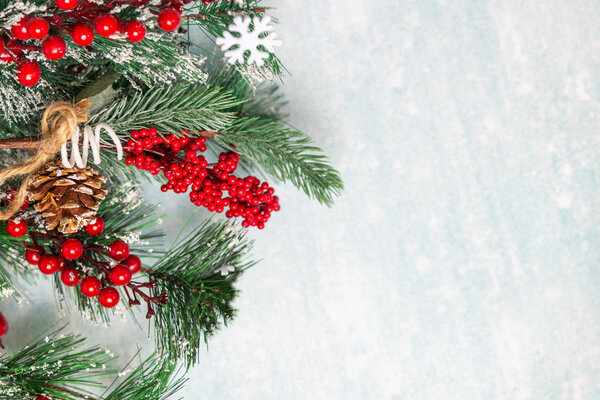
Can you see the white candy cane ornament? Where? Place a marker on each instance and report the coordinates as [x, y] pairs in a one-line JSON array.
[[91, 140]]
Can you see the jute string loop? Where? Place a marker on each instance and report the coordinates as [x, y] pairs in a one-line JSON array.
[[58, 124]]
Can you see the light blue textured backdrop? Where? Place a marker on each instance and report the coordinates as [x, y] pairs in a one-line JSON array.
[[461, 263]]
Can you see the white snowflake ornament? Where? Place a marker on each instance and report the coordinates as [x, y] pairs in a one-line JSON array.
[[249, 40]]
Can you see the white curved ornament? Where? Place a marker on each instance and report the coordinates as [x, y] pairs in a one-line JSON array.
[[91, 140]]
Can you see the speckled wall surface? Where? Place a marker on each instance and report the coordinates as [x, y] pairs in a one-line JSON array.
[[462, 261]]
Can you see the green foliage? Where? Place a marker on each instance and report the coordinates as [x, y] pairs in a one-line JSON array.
[[60, 366], [154, 379], [200, 296], [171, 109], [287, 154], [57, 365]]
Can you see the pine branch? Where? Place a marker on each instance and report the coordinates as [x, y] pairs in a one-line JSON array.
[[200, 296], [58, 366], [155, 379], [285, 153], [171, 109]]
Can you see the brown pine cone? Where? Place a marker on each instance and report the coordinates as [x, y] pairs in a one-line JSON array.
[[67, 197]]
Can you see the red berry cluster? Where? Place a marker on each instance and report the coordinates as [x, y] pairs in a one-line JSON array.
[[248, 197], [81, 19], [69, 250]]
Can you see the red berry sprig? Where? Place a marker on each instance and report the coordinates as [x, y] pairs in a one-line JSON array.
[[82, 20], [213, 186], [67, 255]]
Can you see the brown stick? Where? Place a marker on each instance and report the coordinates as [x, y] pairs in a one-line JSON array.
[[71, 392], [30, 143]]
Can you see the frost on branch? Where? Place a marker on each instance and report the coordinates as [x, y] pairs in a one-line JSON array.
[[249, 40]]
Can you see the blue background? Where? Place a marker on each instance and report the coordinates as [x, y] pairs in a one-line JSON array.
[[461, 262]]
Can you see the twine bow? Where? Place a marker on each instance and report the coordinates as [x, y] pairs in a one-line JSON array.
[[58, 124]]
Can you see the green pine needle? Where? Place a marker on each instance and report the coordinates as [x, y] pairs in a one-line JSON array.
[[287, 154], [57, 366], [200, 296], [155, 379], [171, 109]]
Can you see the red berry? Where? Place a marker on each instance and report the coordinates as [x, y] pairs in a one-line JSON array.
[[82, 35], [71, 249], [168, 19], [96, 227], [19, 30], [119, 250], [33, 256], [61, 262], [66, 4], [70, 277], [3, 327], [120, 275], [106, 25], [37, 28], [16, 227], [90, 286], [135, 31], [29, 73], [134, 264], [109, 297], [48, 264], [54, 48]]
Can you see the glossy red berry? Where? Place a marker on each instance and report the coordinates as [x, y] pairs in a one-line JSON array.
[[70, 277], [109, 297], [134, 264], [118, 250], [120, 275], [33, 256], [66, 4], [135, 31], [29, 73], [168, 19], [90, 286], [106, 25], [83, 35], [37, 28], [71, 249], [19, 30], [16, 227], [54, 48], [48, 264], [96, 227], [3, 328]]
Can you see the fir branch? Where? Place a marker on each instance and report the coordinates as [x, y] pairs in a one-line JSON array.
[[155, 379], [57, 365], [287, 154], [171, 109], [199, 294]]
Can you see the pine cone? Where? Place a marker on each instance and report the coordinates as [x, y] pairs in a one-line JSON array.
[[68, 197]]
